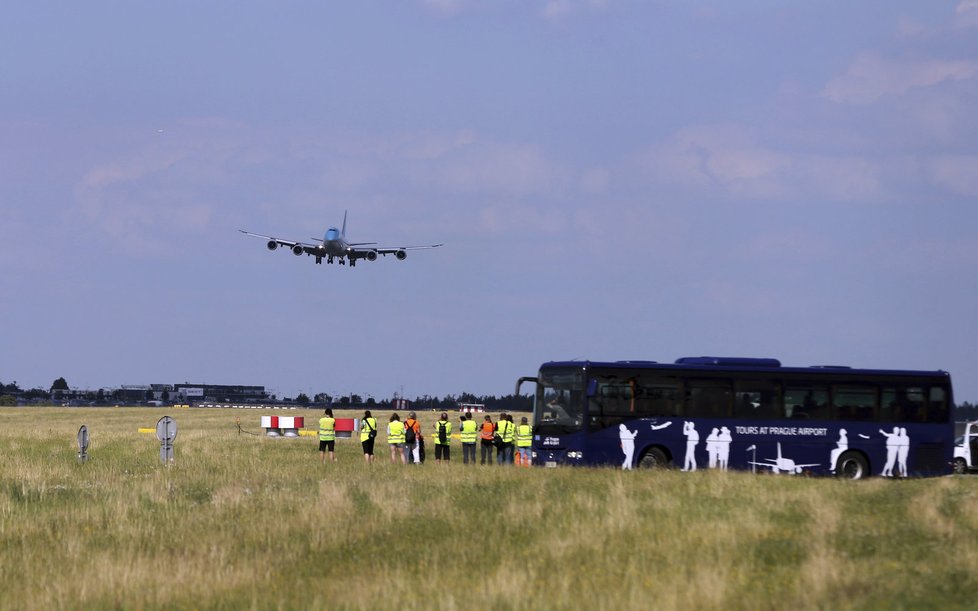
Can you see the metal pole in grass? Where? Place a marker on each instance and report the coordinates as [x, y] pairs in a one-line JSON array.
[[166, 432], [83, 443]]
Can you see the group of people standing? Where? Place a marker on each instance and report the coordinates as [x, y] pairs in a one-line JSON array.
[[406, 440]]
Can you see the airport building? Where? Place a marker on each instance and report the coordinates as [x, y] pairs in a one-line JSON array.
[[219, 393]]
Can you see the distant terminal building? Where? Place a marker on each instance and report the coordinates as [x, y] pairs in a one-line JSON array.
[[471, 408], [400, 404], [219, 393]]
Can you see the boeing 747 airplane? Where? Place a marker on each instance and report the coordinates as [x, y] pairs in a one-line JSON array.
[[334, 246]]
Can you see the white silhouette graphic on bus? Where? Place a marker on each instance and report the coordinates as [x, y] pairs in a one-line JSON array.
[[841, 446], [692, 439], [782, 464], [713, 448], [627, 444], [897, 449], [723, 447]]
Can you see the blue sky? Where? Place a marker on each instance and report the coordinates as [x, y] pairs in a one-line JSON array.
[[612, 179]]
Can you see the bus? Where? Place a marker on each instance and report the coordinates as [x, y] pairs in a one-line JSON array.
[[743, 413]]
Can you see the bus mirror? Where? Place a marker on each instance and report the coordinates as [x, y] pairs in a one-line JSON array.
[[592, 387], [520, 383]]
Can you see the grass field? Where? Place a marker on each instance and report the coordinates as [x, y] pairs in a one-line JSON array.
[[240, 521]]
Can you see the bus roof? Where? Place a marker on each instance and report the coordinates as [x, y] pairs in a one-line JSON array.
[[708, 364]]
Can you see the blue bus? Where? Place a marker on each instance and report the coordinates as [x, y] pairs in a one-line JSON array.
[[743, 413]]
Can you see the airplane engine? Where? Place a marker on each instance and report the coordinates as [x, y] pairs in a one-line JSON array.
[[371, 255], [272, 245], [401, 255], [297, 250]]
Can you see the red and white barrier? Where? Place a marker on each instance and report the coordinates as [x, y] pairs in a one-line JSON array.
[[282, 426]]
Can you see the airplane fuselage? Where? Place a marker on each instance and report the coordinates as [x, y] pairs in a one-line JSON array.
[[333, 243]]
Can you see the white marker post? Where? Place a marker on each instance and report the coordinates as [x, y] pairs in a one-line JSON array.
[[166, 432], [83, 443]]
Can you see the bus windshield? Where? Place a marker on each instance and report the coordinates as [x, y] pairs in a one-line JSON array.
[[560, 405]]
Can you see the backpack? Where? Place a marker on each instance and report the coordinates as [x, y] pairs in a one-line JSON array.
[[409, 436], [442, 433]]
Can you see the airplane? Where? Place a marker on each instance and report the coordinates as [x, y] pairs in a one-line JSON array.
[[333, 245], [781, 464]]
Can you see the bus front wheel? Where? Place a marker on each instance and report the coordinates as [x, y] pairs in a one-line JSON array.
[[852, 465], [654, 458]]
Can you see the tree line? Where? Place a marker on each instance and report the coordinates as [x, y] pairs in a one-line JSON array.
[[10, 393]]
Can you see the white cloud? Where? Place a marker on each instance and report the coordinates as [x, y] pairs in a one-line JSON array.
[[513, 169], [729, 160], [871, 77], [716, 156], [957, 173], [966, 14]]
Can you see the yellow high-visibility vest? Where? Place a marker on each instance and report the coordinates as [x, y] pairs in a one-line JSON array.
[[506, 431], [448, 432], [327, 429], [469, 431], [524, 436], [367, 425], [395, 432]]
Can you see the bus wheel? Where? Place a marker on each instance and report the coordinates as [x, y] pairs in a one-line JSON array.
[[655, 458], [852, 465], [960, 467]]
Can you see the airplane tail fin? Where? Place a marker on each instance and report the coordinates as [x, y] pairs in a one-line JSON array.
[[343, 231]]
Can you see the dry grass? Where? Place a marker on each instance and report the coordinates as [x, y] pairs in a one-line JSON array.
[[244, 521]]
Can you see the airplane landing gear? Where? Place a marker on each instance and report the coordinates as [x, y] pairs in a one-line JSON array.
[[319, 260]]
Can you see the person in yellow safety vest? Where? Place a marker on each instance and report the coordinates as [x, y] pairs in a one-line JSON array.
[[443, 439], [504, 428], [469, 436], [524, 439], [327, 436], [395, 438], [368, 433]]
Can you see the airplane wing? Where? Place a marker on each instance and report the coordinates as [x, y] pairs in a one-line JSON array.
[[362, 251], [391, 250], [278, 242]]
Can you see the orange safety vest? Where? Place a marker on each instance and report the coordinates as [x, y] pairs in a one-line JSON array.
[[487, 431], [412, 424]]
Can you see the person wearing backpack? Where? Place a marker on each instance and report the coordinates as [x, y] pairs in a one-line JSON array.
[[412, 439], [486, 435], [368, 433], [504, 429], [443, 438], [395, 438]]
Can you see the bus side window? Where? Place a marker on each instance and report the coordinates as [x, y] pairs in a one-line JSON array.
[[658, 398], [856, 403], [937, 405], [903, 404], [806, 402], [757, 399], [708, 398]]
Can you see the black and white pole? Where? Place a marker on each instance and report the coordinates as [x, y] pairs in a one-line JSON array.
[[166, 432], [83, 443]]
